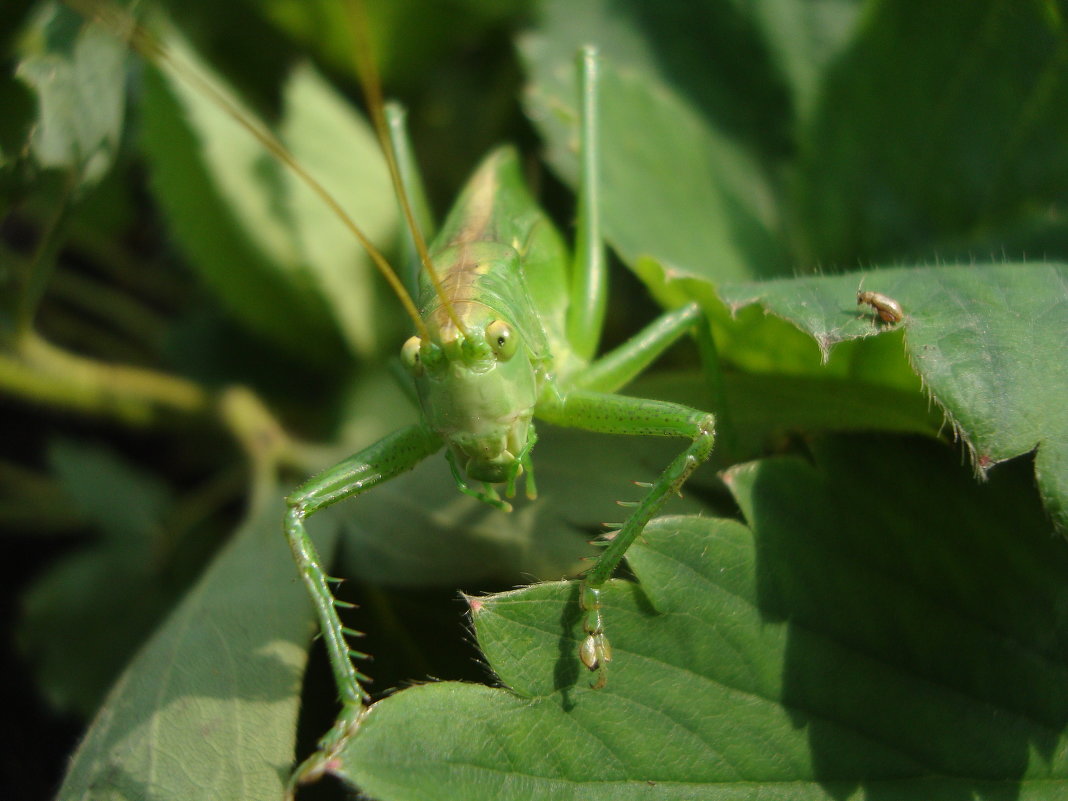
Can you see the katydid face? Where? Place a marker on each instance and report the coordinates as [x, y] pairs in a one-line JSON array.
[[477, 392]]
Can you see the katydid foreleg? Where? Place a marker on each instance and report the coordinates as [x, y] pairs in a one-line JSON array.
[[589, 278], [389, 457]]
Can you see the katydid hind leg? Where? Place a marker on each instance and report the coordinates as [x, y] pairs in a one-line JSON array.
[[589, 275], [619, 414]]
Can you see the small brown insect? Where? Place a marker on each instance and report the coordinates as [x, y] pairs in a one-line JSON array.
[[888, 309]]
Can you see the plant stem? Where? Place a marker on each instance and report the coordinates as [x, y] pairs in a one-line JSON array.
[[43, 373]]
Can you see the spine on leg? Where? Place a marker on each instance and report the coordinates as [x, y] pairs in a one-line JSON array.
[[316, 580]]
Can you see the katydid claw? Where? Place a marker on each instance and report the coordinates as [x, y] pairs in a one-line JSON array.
[[595, 652]]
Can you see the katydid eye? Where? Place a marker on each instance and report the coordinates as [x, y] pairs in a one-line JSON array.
[[501, 339], [410, 355]]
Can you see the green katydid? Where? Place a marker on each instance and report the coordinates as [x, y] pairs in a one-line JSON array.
[[505, 335], [507, 330]]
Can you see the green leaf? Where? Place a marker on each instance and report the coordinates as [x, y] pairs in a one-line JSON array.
[[247, 221], [986, 342], [208, 708], [767, 409], [882, 627], [939, 129], [77, 71]]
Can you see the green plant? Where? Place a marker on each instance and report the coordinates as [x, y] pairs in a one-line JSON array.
[[839, 613]]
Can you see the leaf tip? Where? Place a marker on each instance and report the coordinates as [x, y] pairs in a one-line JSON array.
[[476, 606]]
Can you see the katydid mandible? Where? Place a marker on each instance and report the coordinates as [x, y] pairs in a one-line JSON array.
[[507, 333]]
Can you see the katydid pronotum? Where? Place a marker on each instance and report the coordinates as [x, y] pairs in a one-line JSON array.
[[507, 328]]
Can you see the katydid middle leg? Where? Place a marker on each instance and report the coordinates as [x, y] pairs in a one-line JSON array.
[[586, 403], [619, 414], [600, 411]]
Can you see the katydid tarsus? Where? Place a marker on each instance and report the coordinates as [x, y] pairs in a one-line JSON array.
[[507, 328]]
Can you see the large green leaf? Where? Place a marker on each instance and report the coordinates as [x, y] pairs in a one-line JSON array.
[[246, 221], [208, 708], [986, 342], [882, 627], [762, 138]]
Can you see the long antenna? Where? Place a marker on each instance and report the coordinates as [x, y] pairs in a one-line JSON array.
[[371, 82], [145, 43]]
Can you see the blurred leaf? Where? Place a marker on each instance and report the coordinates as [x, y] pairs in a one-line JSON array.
[[208, 708], [939, 124], [77, 70], [987, 343], [803, 37], [411, 37], [85, 597], [125, 503], [916, 650], [246, 221], [15, 126], [340, 150]]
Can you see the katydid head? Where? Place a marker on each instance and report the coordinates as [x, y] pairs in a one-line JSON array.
[[477, 391]]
